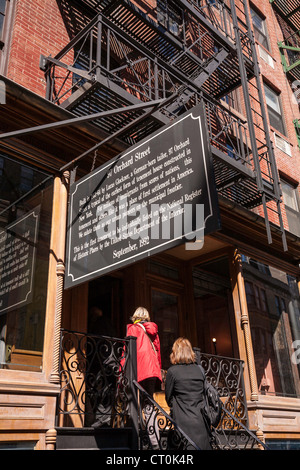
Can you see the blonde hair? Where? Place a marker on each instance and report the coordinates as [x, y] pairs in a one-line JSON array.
[[182, 352], [141, 314]]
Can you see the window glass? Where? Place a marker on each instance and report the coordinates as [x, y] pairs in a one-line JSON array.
[[290, 199], [289, 195], [260, 29], [169, 15], [2, 6], [272, 99], [275, 325], [25, 226], [274, 109], [2, 15]]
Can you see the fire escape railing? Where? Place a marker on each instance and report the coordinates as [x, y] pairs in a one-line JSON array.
[[297, 129], [145, 78], [289, 10], [290, 55], [124, 57]]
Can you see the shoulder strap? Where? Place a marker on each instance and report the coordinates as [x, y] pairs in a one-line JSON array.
[[203, 372], [142, 326]]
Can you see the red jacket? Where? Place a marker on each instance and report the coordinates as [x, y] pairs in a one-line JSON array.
[[148, 361]]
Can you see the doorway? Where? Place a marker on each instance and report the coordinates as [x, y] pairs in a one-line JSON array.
[[106, 294], [213, 307]]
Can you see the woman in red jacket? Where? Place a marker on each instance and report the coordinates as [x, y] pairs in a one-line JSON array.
[[148, 363], [148, 350]]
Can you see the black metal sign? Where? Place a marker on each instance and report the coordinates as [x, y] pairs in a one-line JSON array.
[[158, 194], [18, 244]]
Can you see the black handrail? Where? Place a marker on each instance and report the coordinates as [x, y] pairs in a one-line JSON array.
[[166, 424], [222, 438]]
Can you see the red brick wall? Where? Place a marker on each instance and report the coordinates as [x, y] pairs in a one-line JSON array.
[[38, 29]]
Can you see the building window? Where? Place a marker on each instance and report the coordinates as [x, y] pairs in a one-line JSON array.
[[2, 17], [290, 195], [274, 109], [291, 203], [263, 300], [25, 226], [256, 297], [26, 179], [274, 327], [260, 29], [280, 305], [170, 16]]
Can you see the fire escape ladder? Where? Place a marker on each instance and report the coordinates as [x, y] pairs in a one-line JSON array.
[[262, 148]]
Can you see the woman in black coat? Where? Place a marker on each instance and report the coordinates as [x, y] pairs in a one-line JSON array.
[[184, 393]]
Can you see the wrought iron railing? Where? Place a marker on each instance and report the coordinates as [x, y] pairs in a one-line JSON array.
[[94, 385], [226, 375], [157, 430], [99, 388], [232, 434]]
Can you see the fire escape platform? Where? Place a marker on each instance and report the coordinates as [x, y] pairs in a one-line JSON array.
[[290, 10]]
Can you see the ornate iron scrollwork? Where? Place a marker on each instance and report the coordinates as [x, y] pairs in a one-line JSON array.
[[93, 382]]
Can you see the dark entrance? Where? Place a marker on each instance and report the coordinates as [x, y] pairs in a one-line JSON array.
[[106, 294], [213, 304]]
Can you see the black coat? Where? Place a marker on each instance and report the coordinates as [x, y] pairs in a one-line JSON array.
[[184, 395]]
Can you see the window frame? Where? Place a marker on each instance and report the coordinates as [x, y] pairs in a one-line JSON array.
[[258, 33], [273, 112], [294, 195], [292, 210], [3, 15]]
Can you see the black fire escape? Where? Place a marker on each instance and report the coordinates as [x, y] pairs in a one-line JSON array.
[[187, 52]]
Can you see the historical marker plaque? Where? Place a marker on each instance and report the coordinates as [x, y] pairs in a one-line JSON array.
[[118, 212], [17, 260]]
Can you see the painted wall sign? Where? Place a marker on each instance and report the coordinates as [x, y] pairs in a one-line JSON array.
[[158, 194]]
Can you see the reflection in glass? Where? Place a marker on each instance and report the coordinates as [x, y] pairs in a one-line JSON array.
[[274, 307], [25, 226], [165, 315]]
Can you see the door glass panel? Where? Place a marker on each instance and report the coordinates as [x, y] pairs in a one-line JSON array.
[[165, 315]]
